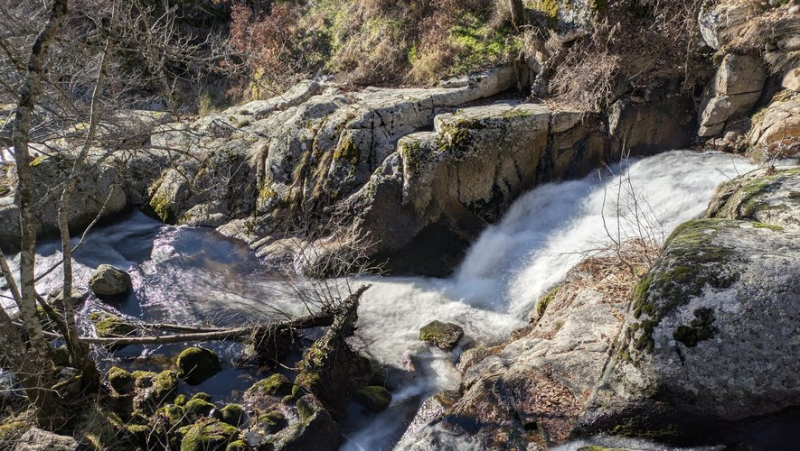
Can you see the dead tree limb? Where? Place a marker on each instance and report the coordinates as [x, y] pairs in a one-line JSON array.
[[327, 368]]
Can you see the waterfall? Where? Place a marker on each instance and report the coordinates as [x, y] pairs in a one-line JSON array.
[[544, 234]]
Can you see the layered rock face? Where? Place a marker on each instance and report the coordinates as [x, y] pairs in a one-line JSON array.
[[415, 173]]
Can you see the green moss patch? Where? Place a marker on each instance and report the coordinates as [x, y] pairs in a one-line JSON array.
[[209, 434], [701, 328], [275, 385], [111, 326], [691, 262], [375, 399]]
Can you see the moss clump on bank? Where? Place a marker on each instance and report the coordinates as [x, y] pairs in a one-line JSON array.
[[209, 434]]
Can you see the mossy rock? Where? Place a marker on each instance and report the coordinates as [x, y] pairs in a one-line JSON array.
[[121, 381], [208, 435], [153, 391], [198, 408], [236, 446], [198, 364], [181, 400], [375, 399], [109, 325], [275, 385], [175, 414], [233, 414], [203, 396], [444, 336], [272, 422]]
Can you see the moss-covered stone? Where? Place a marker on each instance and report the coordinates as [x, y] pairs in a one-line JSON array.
[[198, 408], [154, 390], [181, 400], [272, 422], [275, 385], [233, 414], [203, 396], [238, 445], [111, 326], [198, 364], [445, 336], [374, 398], [121, 381], [174, 414], [137, 434], [208, 435]]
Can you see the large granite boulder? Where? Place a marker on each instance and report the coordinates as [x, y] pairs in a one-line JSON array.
[[709, 343]]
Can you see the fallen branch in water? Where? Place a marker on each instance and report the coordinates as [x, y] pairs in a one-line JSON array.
[[254, 333]]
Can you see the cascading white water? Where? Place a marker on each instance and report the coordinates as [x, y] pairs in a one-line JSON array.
[[544, 234]]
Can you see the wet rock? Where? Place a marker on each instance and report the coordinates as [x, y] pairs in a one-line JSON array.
[[315, 429], [109, 325], [733, 93], [532, 390], [109, 281], [444, 336], [373, 398], [208, 435], [712, 323], [771, 198], [40, 440], [198, 364], [659, 119]]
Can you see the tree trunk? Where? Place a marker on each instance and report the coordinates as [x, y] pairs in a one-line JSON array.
[[517, 13], [79, 351], [28, 96]]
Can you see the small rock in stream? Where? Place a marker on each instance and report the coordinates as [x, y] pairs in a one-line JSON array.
[[444, 336]]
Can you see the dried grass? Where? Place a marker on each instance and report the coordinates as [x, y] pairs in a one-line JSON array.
[[766, 33]]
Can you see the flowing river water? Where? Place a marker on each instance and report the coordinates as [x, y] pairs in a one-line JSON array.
[[196, 276]]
